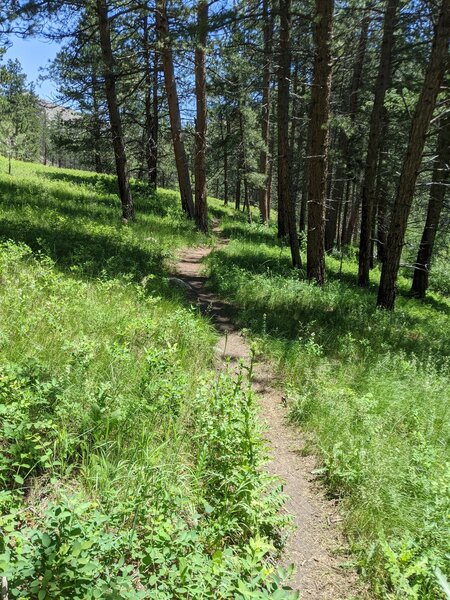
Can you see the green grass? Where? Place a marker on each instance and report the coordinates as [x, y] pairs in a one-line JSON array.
[[128, 469], [370, 388]]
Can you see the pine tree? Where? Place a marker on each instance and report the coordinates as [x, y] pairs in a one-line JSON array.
[[374, 142], [113, 108], [264, 193], [286, 201], [201, 206], [318, 139], [419, 126], [440, 180], [345, 170], [179, 149]]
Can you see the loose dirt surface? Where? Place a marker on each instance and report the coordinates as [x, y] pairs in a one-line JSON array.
[[316, 547]]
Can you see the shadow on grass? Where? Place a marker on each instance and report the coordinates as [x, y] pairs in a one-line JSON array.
[[434, 303], [90, 240], [217, 210], [90, 255], [16, 194], [336, 313], [256, 234], [261, 263], [106, 182]]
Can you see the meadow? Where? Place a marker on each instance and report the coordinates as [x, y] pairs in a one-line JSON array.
[[371, 391], [128, 468]]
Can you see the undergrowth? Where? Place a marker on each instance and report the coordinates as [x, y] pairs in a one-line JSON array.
[[372, 388], [128, 469]]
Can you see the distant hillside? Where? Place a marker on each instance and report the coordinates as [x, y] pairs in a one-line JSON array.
[[54, 111]]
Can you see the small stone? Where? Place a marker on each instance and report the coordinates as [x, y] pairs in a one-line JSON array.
[[179, 283]]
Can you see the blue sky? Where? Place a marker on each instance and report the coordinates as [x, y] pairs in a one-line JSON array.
[[34, 53]]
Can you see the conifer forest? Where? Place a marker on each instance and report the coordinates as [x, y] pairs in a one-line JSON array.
[[225, 299]]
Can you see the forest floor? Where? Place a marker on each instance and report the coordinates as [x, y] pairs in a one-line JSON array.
[[316, 547]]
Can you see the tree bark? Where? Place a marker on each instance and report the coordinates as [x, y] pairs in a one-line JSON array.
[[439, 183], [283, 192], [265, 120], [150, 115], [225, 160], [285, 196], [270, 173], [381, 198], [374, 142], [318, 150], [237, 198], [118, 139], [297, 140], [155, 135], [350, 224], [247, 207], [419, 126], [96, 126], [305, 171], [201, 204], [181, 161], [336, 198]]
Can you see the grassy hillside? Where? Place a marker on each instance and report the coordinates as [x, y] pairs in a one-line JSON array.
[[127, 470], [372, 389]]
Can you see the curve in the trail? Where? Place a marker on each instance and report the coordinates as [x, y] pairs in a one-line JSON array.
[[317, 547]]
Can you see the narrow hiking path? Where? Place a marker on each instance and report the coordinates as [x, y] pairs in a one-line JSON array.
[[316, 547]]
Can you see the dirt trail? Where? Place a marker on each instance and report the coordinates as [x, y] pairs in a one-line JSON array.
[[316, 547]]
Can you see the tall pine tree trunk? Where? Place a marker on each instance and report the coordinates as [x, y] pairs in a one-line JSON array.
[[270, 174], [237, 194], [118, 139], [419, 126], [247, 207], [181, 161], [374, 142], [224, 139], [305, 171], [318, 150], [201, 205], [96, 124], [353, 206], [264, 156], [285, 196], [150, 116], [381, 198], [155, 102], [440, 180], [296, 138]]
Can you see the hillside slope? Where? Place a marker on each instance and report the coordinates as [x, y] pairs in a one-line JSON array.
[[127, 468]]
